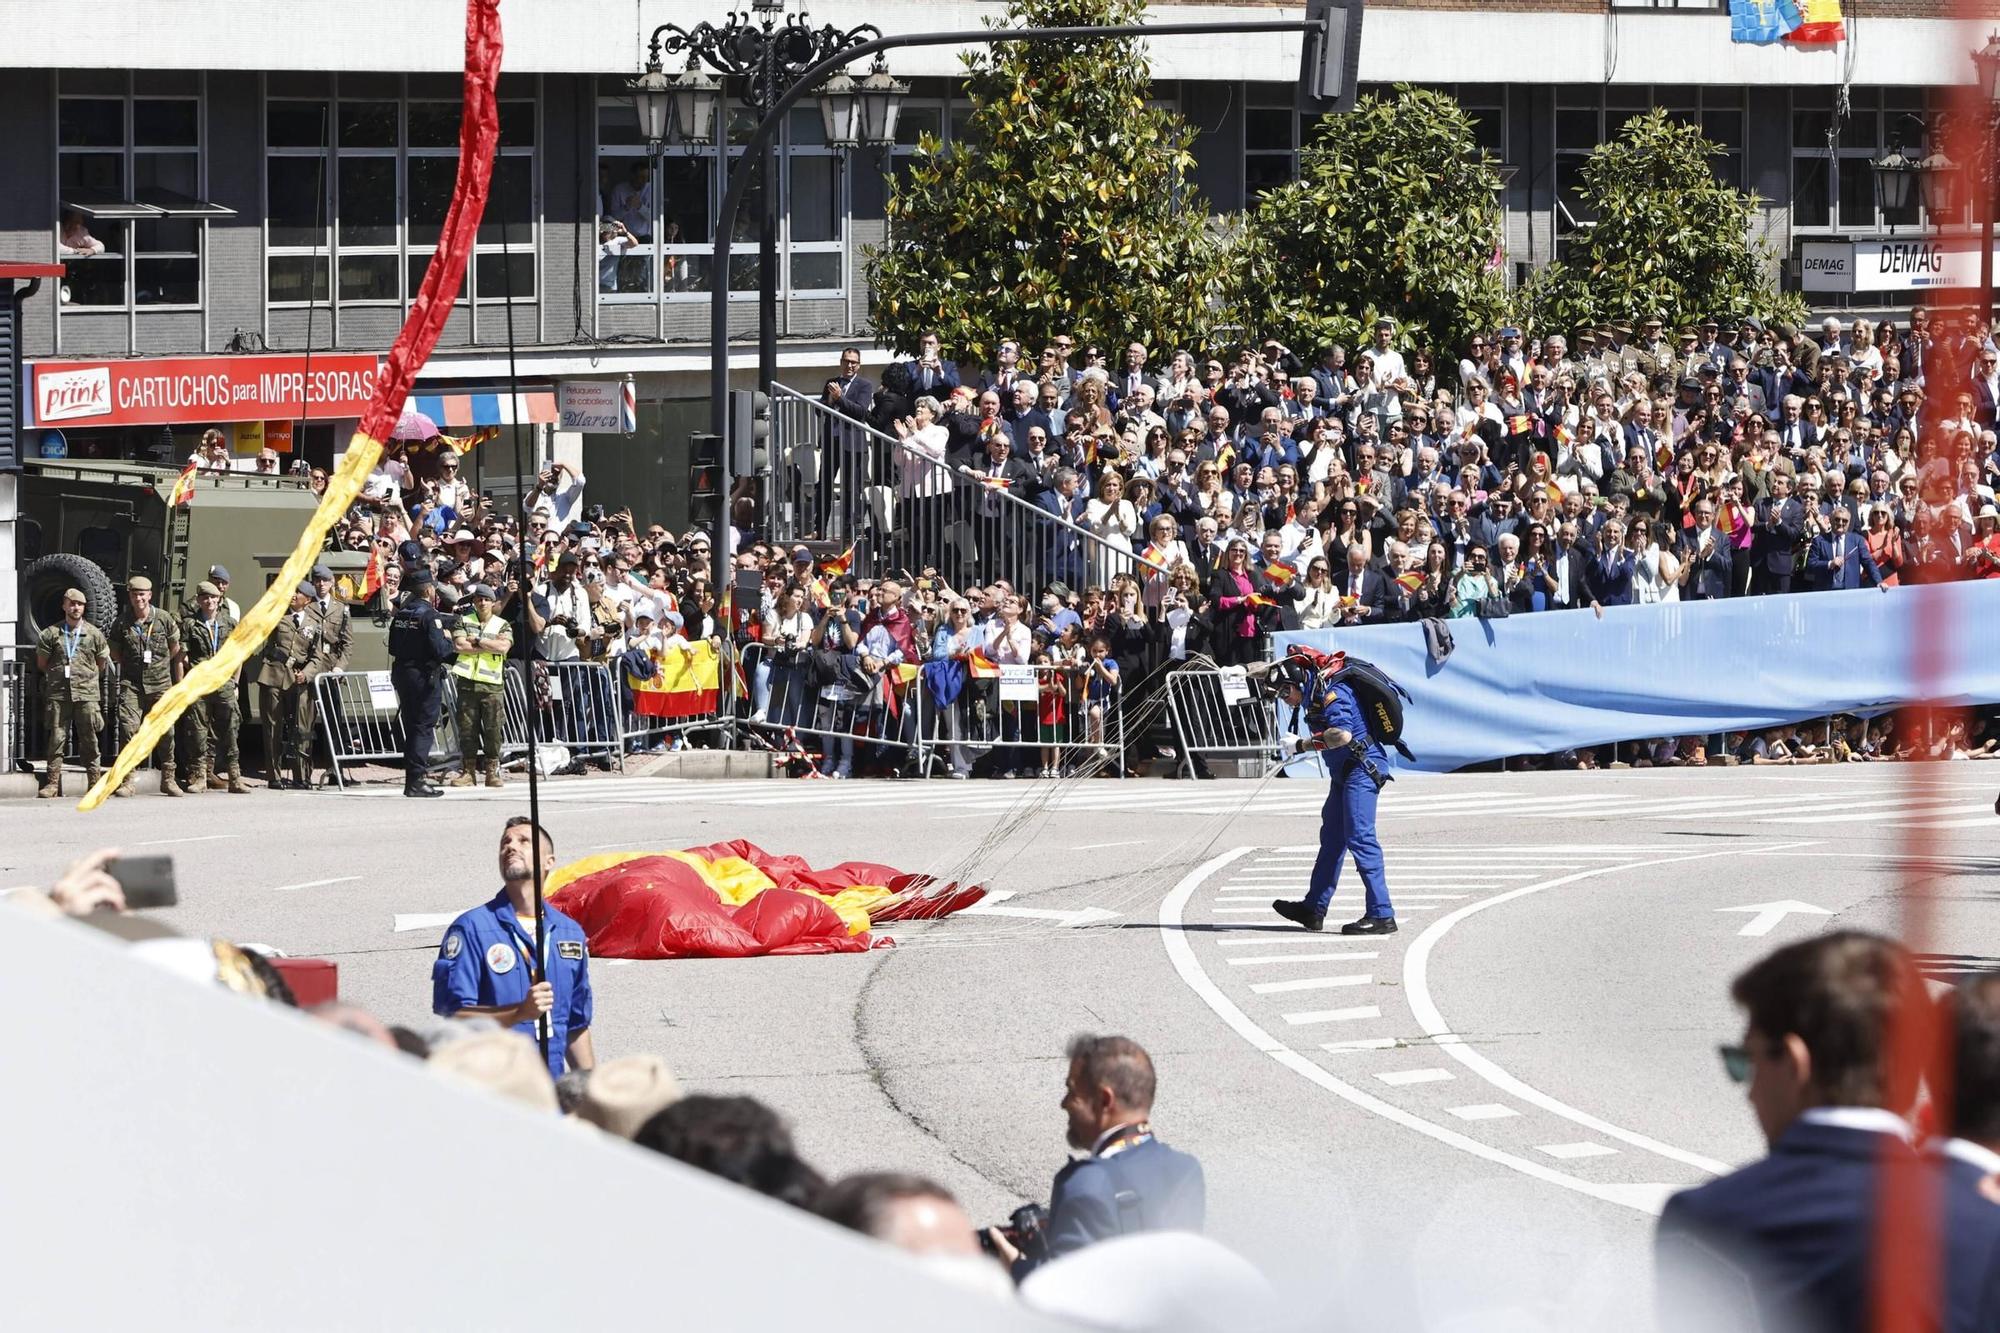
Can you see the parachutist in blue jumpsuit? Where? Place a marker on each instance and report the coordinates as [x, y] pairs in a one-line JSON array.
[[1356, 763]]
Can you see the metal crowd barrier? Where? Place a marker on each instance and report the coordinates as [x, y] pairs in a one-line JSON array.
[[360, 720], [795, 714], [579, 708], [27, 718], [840, 480], [1029, 719], [1216, 714]]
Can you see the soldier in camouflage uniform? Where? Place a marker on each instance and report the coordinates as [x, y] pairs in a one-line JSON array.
[[72, 658], [483, 640], [209, 727], [146, 644]]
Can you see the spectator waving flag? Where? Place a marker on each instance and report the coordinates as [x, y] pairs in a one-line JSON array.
[[1762, 22], [839, 564], [980, 666], [1279, 573], [684, 686], [1823, 25], [1410, 582], [183, 490]]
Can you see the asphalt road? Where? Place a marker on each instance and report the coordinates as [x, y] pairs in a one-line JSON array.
[[1481, 1113]]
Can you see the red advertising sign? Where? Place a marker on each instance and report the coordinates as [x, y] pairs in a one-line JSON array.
[[194, 391]]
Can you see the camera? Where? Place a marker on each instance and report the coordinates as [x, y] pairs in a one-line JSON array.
[[1027, 1230]]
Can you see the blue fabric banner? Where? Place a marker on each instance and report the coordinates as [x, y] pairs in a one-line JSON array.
[[1762, 22], [1555, 680]]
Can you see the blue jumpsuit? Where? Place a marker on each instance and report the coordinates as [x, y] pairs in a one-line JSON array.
[[484, 962], [1348, 822]]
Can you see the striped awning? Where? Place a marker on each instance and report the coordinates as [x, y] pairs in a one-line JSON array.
[[457, 411]]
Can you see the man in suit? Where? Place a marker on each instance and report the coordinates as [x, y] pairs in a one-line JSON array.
[[1130, 1182], [1133, 376], [999, 473], [1709, 555], [1568, 566], [284, 695], [1062, 559], [1967, 1151], [1787, 1242], [929, 372], [1363, 591], [1609, 572], [1007, 370], [1840, 559], [1795, 433], [1026, 417], [1774, 545]]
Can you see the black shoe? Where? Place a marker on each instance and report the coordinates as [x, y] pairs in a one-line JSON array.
[[1300, 913], [1370, 925], [422, 791]]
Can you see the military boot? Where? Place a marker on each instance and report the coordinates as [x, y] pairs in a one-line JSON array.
[[124, 788], [92, 775], [217, 782], [235, 783], [463, 778], [493, 776], [53, 787], [168, 787], [195, 781]]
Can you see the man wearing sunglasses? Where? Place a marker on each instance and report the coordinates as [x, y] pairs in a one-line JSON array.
[[1790, 1242]]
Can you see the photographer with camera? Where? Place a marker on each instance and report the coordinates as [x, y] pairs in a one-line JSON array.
[[1129, 1182]]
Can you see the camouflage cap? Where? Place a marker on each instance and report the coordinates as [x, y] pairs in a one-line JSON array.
[[138, 583], [75, 595]]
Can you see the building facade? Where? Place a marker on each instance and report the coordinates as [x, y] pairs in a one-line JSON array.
[[226, 182]]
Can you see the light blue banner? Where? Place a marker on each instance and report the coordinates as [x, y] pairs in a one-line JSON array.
[[1555, 680]]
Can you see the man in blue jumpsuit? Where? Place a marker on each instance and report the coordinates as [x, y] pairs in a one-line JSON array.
[[485, 966], [1355, 761]]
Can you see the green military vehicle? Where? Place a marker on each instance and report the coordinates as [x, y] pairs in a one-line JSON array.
[[92, 525]]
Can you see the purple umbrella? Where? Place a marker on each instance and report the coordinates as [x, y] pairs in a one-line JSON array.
[[414, 425]]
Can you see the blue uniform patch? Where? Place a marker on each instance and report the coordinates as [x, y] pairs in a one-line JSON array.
[[480, 965]]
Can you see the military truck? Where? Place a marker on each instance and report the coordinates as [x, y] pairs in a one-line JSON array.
[[92, 525]]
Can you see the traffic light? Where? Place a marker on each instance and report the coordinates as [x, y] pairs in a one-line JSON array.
[[704, 480], [1330, 59], [749, 431]]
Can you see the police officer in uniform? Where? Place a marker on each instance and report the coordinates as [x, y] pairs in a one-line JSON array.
[[146, 645], [417, 648], [1356, 763], [482, 640], [281, 684], [209, 727], [485, 966], [72, 658]]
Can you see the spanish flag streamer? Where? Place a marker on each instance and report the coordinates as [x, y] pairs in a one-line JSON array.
[[685, 685], [736, 900], [478, 133], [183, 490], [1823, 25]]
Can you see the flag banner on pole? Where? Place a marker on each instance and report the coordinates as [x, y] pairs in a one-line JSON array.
[[479, 132], [1823, 25], [183, 490], [1762, 22], [685, 685]]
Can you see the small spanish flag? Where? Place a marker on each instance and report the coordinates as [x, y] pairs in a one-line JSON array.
[[980, 665], [1258, 600], [183, 490], [1520, 423], [1555, 492], [1564, 435], [371, 578], [839, 564], [1410, 582], [993, 483], [1280, 573], [1823, 24]]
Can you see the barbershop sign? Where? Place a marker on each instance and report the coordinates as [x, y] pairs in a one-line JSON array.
[[193, 391], [1918, 264]]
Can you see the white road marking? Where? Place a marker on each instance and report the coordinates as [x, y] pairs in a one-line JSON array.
[[1400, 1078], [1270, 935], [423, 920], [1416, 987], [1311, 983], [1484, 1111], [1347, 1047], [171, 842], [315, 883], [1239, 911], [1570, 1152], [1984, 818], [1099, 846], [1081, 916], [1304, 958], [1770, 914], [1901, 809], [1358, 1012]]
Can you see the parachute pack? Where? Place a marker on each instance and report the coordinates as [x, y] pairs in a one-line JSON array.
[[1380, 697]]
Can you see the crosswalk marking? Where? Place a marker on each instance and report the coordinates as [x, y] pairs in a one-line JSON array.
[[1311, 983], [1484, 1111], [1359, 1044], [1350, 1015], [1363, 956], [1401, 1078], [1570, 1152]]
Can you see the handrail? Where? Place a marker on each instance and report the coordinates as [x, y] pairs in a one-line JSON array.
[[962, 481]]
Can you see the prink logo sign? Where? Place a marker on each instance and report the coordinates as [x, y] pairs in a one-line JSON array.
[[70, 395]]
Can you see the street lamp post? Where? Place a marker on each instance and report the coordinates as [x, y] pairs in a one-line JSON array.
[[1980, 177]]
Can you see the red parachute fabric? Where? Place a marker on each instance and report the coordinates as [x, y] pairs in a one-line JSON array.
[[662, 906]]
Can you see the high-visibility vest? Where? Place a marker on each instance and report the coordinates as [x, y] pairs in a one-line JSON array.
[[481, 668]]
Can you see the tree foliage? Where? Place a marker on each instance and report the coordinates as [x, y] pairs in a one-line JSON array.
[[1065, 206], [1668, 238], [1392, 213]]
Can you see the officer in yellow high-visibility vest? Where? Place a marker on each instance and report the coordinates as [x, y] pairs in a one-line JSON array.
[[482, 640]]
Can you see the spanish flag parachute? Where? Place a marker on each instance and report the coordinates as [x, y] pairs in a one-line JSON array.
[[736, 900]]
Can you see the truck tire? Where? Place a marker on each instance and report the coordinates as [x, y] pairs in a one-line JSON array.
[[45, 580]]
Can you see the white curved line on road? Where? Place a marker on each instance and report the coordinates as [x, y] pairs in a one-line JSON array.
[[1416, 986], [1643, 1198]]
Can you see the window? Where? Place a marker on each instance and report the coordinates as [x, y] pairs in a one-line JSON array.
[[1833, 156], [656, 213], [356, 191], [1588, 115], [132, 219], [1274, 132]]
